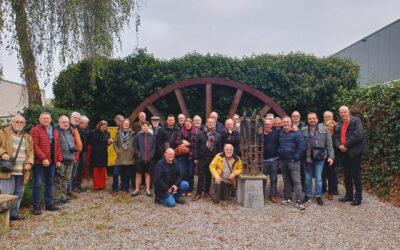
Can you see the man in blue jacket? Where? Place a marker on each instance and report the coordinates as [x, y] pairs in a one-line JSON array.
[[291, 149]]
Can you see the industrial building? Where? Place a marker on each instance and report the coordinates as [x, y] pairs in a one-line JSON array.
[[377, 54], [14, 98]]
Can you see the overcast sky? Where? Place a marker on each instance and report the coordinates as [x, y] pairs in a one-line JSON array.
[[172, 28]]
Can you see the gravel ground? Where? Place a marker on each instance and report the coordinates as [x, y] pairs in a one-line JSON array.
[[95, 220]]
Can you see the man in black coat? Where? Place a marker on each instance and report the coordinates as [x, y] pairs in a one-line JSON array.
[[165, 135], [350, 142], [231, 136], [219, 127], [206, 147], [168, 186]]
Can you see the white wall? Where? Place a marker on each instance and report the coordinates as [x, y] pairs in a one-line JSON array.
[[14, 97]]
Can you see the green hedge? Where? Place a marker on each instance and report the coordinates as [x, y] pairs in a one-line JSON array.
[[378, 107], [296, 81]]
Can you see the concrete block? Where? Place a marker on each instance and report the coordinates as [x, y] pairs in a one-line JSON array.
[[250, 191]]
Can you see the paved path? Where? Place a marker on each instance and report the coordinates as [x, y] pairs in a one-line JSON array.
[[97, 221]]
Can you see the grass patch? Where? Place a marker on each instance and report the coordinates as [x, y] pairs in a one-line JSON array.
[[123, 199]]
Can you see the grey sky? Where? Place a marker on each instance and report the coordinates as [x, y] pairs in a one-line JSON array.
[[172, 28]]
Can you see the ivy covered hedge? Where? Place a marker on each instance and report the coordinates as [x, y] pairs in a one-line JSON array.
[[117, 86], [378, 107]]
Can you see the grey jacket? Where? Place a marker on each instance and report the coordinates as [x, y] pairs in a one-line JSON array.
[[324, 140], [67, 142], [124, 157]]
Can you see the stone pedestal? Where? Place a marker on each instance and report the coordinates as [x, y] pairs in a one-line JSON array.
[[6, 202], [250, 190]]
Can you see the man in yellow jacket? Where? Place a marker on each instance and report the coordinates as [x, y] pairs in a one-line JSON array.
[[224, 168]]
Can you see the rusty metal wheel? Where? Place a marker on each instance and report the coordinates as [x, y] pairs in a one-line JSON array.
[[208, 82]]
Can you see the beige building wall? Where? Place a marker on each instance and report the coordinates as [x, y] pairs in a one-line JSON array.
[[14, 97]]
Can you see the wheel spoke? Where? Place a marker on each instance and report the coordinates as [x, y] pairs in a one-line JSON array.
[[181, 102], [235, 103], [208, 99], [264, 110]]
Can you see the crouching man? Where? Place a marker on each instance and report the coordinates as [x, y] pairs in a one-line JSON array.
[[224, 168], [168, 185]]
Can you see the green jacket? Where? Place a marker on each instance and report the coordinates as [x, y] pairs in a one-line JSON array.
[[124, 157]]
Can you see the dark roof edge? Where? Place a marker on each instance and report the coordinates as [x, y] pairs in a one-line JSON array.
[[390, 24]]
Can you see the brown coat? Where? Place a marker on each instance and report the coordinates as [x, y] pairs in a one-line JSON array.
[[124, 157], [6, 146]]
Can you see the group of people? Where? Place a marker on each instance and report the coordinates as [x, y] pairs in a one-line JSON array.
[[166, 156]]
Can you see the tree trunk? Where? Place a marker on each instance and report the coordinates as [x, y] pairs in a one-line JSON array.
[[28, 59]]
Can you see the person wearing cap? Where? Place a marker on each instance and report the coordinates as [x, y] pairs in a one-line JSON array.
[[154, 128], [154, 125]]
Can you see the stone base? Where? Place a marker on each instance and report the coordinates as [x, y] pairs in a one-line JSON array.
[[6, 202], [250, 190]]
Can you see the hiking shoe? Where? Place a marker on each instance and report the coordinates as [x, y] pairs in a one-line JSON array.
[[306, 199], [72, 195], [148, 193], [286, 202], [135, 193], [300, 205], [52, 207], [76, 190], [17, 217], [215, 201], [37, 211], [345, 199], [59, 203], [114, 194], [66, 201], [273, 199], [180, 201], [197, 197], [319, 201], [356, 202]]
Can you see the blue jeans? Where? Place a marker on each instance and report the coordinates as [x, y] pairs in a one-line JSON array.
[[39, 173], [13, 186], [74, 170], [171, 199], [316, 169], [125, 172], [186, 169], [271, 168]]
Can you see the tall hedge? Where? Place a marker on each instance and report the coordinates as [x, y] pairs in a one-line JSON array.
[[111, 86], [378, 107]]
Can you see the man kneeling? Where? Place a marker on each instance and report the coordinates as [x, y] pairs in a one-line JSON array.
[[168, 186], [224, 168]]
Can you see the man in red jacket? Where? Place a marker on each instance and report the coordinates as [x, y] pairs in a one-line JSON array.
[[48, 156]]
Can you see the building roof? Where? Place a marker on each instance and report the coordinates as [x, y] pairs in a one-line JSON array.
[[365, 38], [21, 84]]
